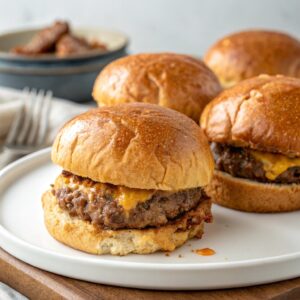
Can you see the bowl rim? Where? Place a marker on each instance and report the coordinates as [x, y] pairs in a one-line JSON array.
[[7, 56]]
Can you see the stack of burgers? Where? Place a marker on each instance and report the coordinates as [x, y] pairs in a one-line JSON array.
[[139, 173]]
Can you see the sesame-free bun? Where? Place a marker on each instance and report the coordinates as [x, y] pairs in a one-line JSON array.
[[247, 195], [84, 236], [262, 113], [247, 54], [136, 145], [176, 81]]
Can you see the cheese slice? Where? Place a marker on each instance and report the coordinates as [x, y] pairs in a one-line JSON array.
[[129, 198], [275, 164]]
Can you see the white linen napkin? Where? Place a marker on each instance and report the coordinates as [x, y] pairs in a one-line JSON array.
[[61, 111], [7, 293]]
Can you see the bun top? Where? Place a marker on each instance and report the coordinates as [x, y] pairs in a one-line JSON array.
[[250, 53], [136, 145], [262, 113], [176, 81]]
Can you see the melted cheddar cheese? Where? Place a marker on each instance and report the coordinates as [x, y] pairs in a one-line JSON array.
[[275, 164], [129, 198]]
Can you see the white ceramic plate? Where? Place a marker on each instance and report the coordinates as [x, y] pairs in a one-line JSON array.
[[250, 248]]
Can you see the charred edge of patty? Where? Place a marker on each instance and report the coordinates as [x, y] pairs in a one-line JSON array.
[[161, 209], [238, 162]]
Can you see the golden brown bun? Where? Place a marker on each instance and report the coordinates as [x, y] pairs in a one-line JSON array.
[[84, 236], [171, 80], [252, 196], [136, 145], [262, 113], [250, 53]]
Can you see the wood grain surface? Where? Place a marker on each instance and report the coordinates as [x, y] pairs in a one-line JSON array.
[[37, 284]]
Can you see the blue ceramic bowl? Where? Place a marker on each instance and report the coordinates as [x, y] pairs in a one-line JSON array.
[[70, 77]]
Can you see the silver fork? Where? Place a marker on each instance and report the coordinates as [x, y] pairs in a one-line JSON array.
[[29, 127]]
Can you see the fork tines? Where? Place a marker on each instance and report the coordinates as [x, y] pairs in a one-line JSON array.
[[30, 125]]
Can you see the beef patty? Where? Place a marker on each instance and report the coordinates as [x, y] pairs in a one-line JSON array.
[[105, 211], [239, 162]]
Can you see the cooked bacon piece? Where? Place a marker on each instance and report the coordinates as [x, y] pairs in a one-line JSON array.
[[69, 44], [98, 45], [44, 41]]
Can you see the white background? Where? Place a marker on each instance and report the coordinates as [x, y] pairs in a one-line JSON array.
[[187, 26]]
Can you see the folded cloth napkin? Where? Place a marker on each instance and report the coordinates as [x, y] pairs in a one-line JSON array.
[[7, 293], [61, 111]]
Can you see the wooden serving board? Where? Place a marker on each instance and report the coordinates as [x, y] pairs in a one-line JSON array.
[[37, 284]]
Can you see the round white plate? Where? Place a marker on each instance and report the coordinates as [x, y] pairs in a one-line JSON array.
[[250, 248]]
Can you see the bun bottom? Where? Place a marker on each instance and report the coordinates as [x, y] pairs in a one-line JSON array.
[[86, 237], [252, 196]]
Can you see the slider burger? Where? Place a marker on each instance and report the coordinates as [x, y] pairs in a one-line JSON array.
[[247, 54], [175, 81], [254, 131], [132, 181]]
